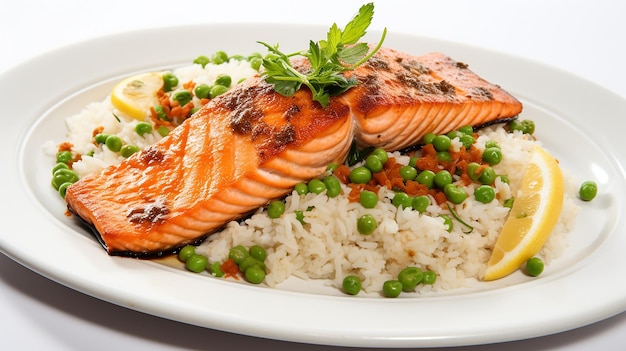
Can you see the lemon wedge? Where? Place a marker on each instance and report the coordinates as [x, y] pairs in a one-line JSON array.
[[135, 95], [534, 214]]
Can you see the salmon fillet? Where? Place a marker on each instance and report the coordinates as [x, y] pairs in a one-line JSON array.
[[252, 145]]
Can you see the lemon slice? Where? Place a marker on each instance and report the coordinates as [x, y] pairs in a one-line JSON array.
[[135, 95], [534, 214]]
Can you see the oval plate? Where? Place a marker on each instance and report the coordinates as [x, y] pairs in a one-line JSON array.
[[575, 121]]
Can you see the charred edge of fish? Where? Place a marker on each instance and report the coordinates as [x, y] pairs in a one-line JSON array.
[[132, 254]]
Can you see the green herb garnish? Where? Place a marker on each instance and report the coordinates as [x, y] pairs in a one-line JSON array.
[[329, 58]]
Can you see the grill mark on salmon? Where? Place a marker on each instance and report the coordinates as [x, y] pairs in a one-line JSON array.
[[252, 145]]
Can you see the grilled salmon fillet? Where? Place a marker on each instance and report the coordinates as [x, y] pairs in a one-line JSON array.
[[252, 145]]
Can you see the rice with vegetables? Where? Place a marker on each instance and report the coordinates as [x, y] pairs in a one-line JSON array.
[[318, 236]]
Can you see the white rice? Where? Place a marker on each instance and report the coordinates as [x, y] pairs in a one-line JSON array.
[[329, 245]]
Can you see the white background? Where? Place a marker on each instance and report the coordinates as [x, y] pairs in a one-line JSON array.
[[581, 37]]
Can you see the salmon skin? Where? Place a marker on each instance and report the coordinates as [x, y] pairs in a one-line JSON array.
[[252, 145]]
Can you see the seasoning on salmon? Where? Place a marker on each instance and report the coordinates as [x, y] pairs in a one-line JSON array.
[[252, 145]]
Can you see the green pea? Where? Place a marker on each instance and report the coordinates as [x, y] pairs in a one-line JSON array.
[[143, 128], [442, 178], [410, 277], [255, 63], [366, 224], [160, 112], [420, 203], [128, 150], [163, 131], [238, 254], [515, 125], [215, 269], [223, 80], [332, 167], [299, 216], [488, 176], [392, 288], [63, 189], [427, 178], [473, 171], [301, 189], [186, 252], [443, 156], [275, 209], [101, 138], [202, 91], [114, 143], [217, 90], [237, 58], [249, 262], [402, 199], [442, 143], [368, 199], [454, 194], [64, 156], [183, 97], [351, 284], [447, 222], [528, 126], [413, 161], [360, 175], [196, 263], [316, 186], [255, 275], [492, 155], [219, 57], [258, 252], [467, 140], [467, 130], [194, 110], [428, 138], [253, 55], [534, 266], [381, 154], [170, 81], [588, 190], [429, 277], [492, 143], [408, 172], [63, 176], [202, 60], [508, 202], [504, 178], [484, 194], [333, 186], [373, 163], [58, 166], [454, 134]]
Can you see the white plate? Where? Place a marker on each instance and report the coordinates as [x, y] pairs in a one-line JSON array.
[[576, 120]]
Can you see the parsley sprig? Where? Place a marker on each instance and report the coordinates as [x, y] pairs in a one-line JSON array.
[[329, 58]]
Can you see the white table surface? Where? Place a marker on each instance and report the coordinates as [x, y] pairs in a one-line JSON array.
[[581, 37]]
